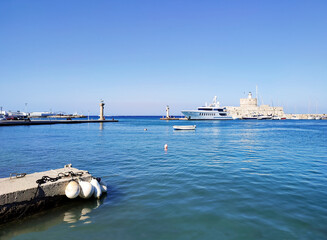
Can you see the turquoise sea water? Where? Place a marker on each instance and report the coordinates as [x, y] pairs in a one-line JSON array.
[[225, 180]]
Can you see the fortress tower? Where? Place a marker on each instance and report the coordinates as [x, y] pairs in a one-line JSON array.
[[248, 102], [249, 107]]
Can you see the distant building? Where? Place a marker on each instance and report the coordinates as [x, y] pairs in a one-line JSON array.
[[41, 114], [17, 114], [249, 107]]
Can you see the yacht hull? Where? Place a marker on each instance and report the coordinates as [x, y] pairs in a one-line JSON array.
[[205, 115]]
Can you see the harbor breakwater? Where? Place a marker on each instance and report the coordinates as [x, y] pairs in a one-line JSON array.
[[49, 122]]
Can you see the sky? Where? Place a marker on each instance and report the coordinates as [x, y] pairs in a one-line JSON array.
[[139, 56]]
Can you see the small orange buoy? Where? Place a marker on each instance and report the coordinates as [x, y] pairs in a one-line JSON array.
[[166, 146]]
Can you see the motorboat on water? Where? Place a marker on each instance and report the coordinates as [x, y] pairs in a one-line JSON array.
[[263, 117], [211, 112], [184, 127], [251, 117], [257, 117]]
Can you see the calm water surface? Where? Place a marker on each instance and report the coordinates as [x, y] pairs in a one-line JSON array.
[[226, 180]]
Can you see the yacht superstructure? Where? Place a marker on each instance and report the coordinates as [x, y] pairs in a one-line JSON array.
[[211, 112]]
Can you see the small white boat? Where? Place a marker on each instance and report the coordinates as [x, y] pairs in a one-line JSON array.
[[262, 117], [184, 127], [251, 117]]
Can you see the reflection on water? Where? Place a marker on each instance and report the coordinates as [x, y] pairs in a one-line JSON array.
[[215, 131], [248, 136], [101, 126], [81, 213], [184, 132], [71, 213]]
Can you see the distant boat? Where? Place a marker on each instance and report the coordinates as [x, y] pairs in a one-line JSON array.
[[318, 118], [275, 118], [211, 112], [184, 127], [253, 117], [263, 117]]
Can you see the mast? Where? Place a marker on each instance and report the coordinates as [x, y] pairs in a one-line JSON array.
[[316, 107], [215, 100]]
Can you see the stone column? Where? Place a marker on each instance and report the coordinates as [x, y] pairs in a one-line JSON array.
[[101, 111]]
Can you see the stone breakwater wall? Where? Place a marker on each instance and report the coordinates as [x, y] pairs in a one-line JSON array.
[[265, 110], [306, 116]]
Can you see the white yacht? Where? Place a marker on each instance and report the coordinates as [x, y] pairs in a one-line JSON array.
[[211, 112]]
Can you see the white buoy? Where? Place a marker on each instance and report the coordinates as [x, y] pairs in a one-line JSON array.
[[86, 189], [72, 189], [166, 146], [103, 186], [97, 189]]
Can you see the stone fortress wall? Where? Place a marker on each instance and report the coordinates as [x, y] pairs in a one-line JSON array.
[[249, 106]]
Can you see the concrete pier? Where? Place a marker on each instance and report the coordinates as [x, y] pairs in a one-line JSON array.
[[168, 117], [173, 118], [22, 195], [47, 122]]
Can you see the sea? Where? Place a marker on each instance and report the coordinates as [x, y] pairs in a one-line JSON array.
[[239, 179]]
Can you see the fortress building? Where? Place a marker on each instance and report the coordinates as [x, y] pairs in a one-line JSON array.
[[249, 107]]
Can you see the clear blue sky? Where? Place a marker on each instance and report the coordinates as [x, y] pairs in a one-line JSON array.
[[140, 55]]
